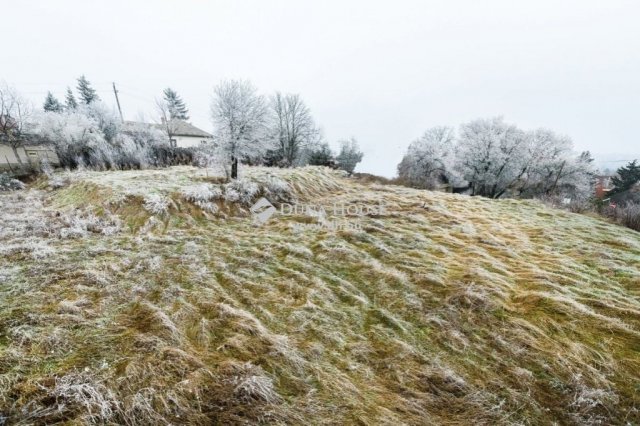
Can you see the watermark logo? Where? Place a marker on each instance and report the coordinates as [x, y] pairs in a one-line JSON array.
[[339, 216], [262, 210]]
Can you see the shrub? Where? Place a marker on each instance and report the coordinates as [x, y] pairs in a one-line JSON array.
[[93, 137], [202, 192], [156, 204], [241, 190], [277, 189], [627, 215], [7, 183], [574, 205]]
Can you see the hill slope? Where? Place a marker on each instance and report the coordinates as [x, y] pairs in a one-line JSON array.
[[152, 297]]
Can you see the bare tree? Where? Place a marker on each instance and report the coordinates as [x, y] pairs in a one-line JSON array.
[[239, 117], [293, 127], [16, 115], [169, 125]]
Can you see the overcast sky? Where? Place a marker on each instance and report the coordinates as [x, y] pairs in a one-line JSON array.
[[382, 72]]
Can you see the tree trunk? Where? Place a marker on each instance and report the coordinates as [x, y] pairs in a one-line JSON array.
[[234, 168], [15, 152]]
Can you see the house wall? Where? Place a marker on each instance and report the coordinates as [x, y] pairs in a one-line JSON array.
[[38, 153], [189, 141], [33, 154]]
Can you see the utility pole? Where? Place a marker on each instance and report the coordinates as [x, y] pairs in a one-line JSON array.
[[115, 91]]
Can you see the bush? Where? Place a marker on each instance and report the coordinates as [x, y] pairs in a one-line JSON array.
[[241, 191], [627, 215], [574, 205], [8, 183], [164, 156], [93, 137]]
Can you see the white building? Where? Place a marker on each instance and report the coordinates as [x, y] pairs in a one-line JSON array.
[[181, 134], [186, 135], [27, 154]]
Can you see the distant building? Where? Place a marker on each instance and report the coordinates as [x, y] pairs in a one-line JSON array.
[[181, 134], [603, 186], [29, 153], [186, 135]]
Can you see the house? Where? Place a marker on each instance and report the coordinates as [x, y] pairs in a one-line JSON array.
[[24, 150], [181, 133], [603, 186], [186, 135], [30, 153]]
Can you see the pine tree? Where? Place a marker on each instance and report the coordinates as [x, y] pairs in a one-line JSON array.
[[51, 104], [87, 93], [627, 176], [70, 100], [349, 156], [322, 155], [175, 105]]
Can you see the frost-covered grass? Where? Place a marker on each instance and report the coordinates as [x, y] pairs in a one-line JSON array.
[[444, 310]]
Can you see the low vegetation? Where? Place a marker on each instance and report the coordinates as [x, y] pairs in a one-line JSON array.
[[152, 297], [627, 215]]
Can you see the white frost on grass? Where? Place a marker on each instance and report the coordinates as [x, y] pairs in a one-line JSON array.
[[243, 191], [254, 385], [156, 204], [80, 389], [201, 193]]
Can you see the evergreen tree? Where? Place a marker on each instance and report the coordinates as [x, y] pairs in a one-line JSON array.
[[70, 100], [627, 176], [51, 104], [349, 156], [87, 93], [175, 105], [322, 155]]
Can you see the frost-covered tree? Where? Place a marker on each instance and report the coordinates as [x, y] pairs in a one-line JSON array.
[[70, 100], [16, 118], [143, 134], [496, 159], [106, 119], [207, 156], [552, 167], [92, 136], [349, 156], [175, 105], [75, 136], [140, 145], [430, 160], [293, 128], [239, 116], [51, 103], [491, 156], [87, 93], [575, 176]]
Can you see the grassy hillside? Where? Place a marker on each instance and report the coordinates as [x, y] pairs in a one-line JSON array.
[[152, 297]]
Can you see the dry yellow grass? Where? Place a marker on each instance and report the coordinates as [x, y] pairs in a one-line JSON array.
[[444, 310]]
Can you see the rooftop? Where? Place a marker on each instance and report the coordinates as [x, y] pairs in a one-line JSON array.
[[178, 128]]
